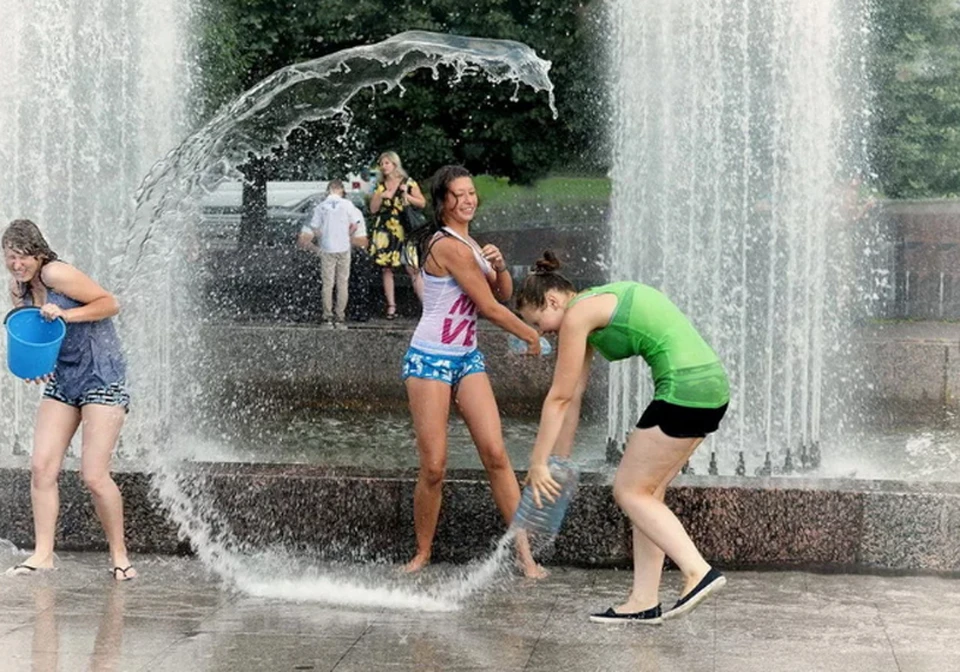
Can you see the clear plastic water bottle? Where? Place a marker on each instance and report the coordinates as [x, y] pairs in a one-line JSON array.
[[519, 346], [548, 519]]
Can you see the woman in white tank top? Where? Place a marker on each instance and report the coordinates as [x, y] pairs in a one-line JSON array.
[[461, 280]]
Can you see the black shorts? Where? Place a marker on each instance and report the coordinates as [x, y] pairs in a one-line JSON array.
[[681, 422]]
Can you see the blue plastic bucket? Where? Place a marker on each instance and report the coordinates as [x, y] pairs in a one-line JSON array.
[[33, 343]]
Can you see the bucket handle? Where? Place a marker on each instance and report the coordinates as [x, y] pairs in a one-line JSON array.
[[19, 308]]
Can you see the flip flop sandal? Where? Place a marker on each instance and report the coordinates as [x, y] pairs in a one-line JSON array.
[[21, 570], [123, 571]]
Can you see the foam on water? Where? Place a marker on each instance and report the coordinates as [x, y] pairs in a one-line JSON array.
[[278, 573], [367, 587]]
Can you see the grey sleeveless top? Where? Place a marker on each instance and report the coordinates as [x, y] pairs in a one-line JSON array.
[[90, 355]]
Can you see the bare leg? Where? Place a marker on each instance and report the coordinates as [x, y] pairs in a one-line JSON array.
[[109, 642], [56, 424], [45, 650], [478, 407], [650, 458], [388, 290], [101, 427], [648, 557], [430, 408]]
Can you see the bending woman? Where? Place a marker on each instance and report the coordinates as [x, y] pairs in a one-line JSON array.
[[622, 320], [87, 388], [443, 363]]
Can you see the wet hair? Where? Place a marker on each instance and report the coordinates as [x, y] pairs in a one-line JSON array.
[[395, 160], [23, 237], [422, 238], [334, 185], [543, 277]]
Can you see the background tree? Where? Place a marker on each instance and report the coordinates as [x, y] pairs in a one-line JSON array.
[[433, 123], [917, 76]]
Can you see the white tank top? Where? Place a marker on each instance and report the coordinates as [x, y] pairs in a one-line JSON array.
[[448, 324]]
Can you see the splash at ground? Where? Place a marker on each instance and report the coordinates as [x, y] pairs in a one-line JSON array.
[[155, 275]]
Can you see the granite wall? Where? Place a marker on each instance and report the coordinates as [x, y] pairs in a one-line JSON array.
[[762, 523]]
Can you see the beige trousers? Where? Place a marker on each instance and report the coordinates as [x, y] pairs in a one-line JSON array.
[[335, 271]]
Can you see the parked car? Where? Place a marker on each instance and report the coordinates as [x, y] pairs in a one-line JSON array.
[[289, 206], [273, 278]]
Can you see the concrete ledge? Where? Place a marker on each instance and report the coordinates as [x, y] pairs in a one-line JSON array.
[[305, 365], [361, 514]]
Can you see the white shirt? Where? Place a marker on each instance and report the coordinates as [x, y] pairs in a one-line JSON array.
[[331, 222]]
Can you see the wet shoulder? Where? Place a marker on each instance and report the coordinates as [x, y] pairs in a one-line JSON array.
[[54, 272]]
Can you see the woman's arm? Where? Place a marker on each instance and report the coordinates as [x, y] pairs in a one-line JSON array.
[[414, 196], [571, 419], [500, 280], [571, 354], [376, 199], [557, 424], [15, 295], [98, 303], [455, 258]]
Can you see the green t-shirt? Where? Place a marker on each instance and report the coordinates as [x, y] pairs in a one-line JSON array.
[[686, 371]]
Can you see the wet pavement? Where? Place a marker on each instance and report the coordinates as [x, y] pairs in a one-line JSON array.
[[176, 617]]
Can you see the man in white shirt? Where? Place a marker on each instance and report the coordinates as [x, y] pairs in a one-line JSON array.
[[336, 224]]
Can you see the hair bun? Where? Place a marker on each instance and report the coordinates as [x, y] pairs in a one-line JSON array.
[[548, 263]]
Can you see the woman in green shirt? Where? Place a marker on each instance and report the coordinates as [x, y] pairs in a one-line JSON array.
[[622, 320]]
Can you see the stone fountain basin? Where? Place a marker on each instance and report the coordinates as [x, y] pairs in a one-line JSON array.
[[776, 522]]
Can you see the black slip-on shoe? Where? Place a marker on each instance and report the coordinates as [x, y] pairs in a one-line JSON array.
[[709, 584], [652, 616]]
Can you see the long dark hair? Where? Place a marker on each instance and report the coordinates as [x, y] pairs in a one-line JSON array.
[[543, 277], [423, 237], [23, 237]]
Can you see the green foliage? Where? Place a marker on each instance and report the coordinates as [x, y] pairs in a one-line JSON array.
[[555, 190], [433, 123], [917, 74]]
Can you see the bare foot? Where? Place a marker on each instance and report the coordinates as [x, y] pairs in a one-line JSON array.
[[31, 565], [123, 569], [124, 573], [415, 565], [534, 571]]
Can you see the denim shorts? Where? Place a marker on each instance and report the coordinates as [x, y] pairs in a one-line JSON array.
[[450, 369], [114, 394]]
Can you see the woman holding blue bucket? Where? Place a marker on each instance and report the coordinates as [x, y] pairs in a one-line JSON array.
[[85, 389], [622, 320]]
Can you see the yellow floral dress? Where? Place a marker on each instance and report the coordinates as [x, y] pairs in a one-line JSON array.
[[387, 235]]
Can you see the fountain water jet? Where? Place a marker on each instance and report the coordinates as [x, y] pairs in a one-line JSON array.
[[740, 126], [93, 93]]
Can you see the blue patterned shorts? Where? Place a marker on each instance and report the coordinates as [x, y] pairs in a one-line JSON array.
[[450, 369], [114, 394]]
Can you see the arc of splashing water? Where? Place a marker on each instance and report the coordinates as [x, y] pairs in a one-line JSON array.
[[262, 118], [255, 123]]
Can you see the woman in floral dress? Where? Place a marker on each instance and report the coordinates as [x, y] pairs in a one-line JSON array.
[[395, 192]]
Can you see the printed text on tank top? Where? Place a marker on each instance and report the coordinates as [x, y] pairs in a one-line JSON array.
[[449, 320]]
